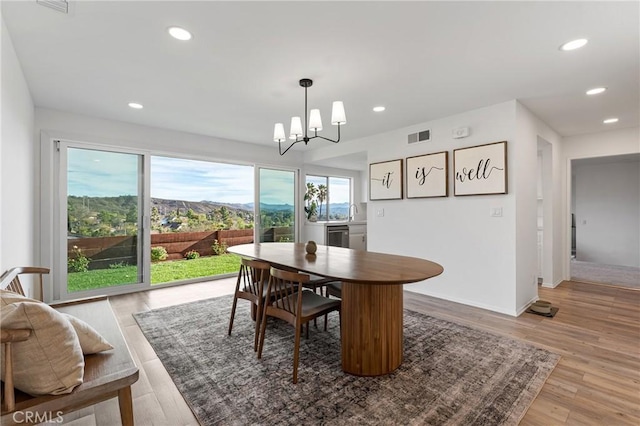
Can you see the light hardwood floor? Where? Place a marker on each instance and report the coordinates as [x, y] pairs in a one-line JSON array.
[[597, 332]]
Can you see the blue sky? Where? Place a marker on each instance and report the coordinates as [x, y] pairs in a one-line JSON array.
[[101, 174], [106, 174], [191, 180], [338, 187], [277, 186]]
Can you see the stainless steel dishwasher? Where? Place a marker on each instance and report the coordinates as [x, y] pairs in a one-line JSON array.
[[338, 235]]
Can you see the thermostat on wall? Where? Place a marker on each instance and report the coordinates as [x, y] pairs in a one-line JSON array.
[[461, 132]]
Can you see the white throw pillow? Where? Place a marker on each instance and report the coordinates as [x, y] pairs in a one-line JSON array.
[[50, 361], [91, 341]]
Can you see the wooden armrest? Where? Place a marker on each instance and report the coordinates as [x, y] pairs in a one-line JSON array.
[[10, 280], [106, 375], [9, 335]]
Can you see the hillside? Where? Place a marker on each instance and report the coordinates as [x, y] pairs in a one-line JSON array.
[[166, 206], [111, 216]]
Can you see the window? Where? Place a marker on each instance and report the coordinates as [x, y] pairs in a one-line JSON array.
[[332, 196]]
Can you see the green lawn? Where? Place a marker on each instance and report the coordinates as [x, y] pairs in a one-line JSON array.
[[161, 272]]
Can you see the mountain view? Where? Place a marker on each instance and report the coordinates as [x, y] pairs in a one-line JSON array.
[[110, 216]]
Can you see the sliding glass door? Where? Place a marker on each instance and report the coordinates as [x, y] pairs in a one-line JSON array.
[[276, 205], [127, 220], [197, 209], [102, 192]]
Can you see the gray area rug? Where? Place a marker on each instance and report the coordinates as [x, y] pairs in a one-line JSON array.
[[589, 272], [451, 374]]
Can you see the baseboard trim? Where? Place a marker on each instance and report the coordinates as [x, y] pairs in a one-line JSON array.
[[526, 306], [511, 313], [554, 285]]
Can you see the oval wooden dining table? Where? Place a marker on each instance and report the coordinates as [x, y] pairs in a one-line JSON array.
[[372, 305]]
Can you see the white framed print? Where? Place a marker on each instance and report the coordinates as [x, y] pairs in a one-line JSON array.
[[385, 180], [480, 170], [428, 175]]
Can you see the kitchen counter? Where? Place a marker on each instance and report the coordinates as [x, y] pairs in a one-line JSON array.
[[317, 231], [336, 222]]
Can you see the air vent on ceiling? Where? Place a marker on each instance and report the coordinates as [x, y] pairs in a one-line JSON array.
[[418, 137], [58, 5]]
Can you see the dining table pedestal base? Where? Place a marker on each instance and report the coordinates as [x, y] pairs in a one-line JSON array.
[[371, 328]]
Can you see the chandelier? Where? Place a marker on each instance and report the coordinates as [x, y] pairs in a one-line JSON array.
[[312, 122]]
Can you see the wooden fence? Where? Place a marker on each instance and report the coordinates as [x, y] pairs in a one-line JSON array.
[[105, 251], [178, 244]]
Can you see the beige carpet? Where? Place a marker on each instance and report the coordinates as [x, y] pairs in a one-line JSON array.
[[451, 374], [623, 276]]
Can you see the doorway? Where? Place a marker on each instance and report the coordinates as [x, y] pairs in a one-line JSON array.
[[544, 216], [605, 220]]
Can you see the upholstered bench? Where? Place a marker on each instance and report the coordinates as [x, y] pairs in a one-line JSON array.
[[107, 374]]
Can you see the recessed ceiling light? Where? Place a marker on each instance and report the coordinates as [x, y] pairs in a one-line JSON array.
[[379, 108], [179, 33], [610, 120], [574, 44], [596, 90], [135, 105]]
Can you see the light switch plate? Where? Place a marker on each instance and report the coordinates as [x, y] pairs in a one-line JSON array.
[[461, 132], [380, 212], [496, 212]]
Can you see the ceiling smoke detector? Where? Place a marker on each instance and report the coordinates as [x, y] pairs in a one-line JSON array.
[[57, 5]]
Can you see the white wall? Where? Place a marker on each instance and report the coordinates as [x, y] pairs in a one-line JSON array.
[[17, 159], [525, 153], [489, 262], [477, 251], [64, 125], [607, 209], [602, 144], [530, 133]]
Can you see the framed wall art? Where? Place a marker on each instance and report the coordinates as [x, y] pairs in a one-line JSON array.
[[428, 175], [385, 180], [480, 170]]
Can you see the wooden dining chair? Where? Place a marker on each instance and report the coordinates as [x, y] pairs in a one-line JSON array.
[[294, 305], [251, 285], [317, 284], [334, 289]]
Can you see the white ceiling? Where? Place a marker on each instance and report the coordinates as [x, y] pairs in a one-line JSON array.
[[239, 74]]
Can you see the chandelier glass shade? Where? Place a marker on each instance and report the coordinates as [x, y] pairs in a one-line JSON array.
[[312, 123]]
